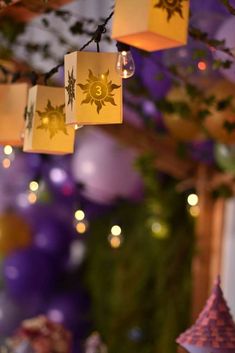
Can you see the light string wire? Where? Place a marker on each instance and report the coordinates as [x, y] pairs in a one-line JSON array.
[[34, 76]]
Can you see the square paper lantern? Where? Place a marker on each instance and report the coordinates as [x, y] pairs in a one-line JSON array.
[[151, 24], [93, 89], [45, 129], [13, 101]]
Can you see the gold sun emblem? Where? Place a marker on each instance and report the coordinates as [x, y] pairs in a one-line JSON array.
[[98, 90], [171, 6], [29, 117], [70, 88], [52, 119]]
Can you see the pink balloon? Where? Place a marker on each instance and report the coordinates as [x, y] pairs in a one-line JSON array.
[[105, 168], [226, 32]]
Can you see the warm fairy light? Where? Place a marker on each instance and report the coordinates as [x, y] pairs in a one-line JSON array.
[[79, 215], [194, 211], [81, 227], [8, 150], [202, 66], [32, 197], [115, 242], [192, 200], [33, 185], [116, 230], [6, 163]]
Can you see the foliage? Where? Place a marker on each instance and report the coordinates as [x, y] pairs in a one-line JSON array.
[[141, 292]]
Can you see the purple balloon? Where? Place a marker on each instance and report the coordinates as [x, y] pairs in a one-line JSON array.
[[11, 315], [28, 272], [51, 238], [226, 32], [69, 309], [105, 168]]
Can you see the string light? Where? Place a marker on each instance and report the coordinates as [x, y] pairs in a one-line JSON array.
[[33, 185], [192, 200], [116, 230], [81, 227], [81, 223], [115, 237], [32, 197], [6, 163], [125, 65], [115, 242], [79, 215], [7, 150], [194, 211]]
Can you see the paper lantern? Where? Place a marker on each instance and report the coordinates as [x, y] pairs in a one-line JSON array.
[[183, 128], [151, 24], [220, 124], [45, 129], [13, 101], [93, 89]]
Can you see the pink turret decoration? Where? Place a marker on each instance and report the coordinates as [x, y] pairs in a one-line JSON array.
[[214, 330]]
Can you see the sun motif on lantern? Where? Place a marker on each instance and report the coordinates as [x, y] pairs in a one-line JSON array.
[[171, 6], [70, 88], [53, 119], [29, 117], [98, 90]]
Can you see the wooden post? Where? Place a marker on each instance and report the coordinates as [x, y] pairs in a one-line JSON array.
[[206, 264]]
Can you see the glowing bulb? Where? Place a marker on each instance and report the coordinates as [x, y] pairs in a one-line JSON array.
[[116, 230], [81, 227], [6, 163], [115, 242], [32, 198], [79, 215], [125, 65], [192, 199], [194, 211], [8, 150], [33, 185]]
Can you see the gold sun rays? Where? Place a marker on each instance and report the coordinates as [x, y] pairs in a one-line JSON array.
[[52, 119], [98, 90], [172, 7]]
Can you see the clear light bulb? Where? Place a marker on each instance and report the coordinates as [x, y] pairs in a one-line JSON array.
[[125, 66]]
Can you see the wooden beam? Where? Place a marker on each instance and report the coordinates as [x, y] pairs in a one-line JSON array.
[[147, 141]]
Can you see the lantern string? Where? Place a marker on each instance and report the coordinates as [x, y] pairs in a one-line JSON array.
[[34, 77]]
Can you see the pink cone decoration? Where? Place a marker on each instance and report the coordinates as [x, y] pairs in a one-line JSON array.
[[214, 330]]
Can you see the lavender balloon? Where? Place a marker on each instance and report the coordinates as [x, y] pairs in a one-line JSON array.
[[105, 168]]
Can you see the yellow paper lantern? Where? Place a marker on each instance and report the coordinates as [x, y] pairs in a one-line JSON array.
[[151, 24], [93, 89], [15, 233], [45, 129], [13, 101], [220, 124], [183, 128]]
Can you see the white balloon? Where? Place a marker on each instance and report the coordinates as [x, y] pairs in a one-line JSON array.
[[105, 168]]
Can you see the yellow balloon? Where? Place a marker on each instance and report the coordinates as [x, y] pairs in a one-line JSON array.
[[14, 233], [183, 128]]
